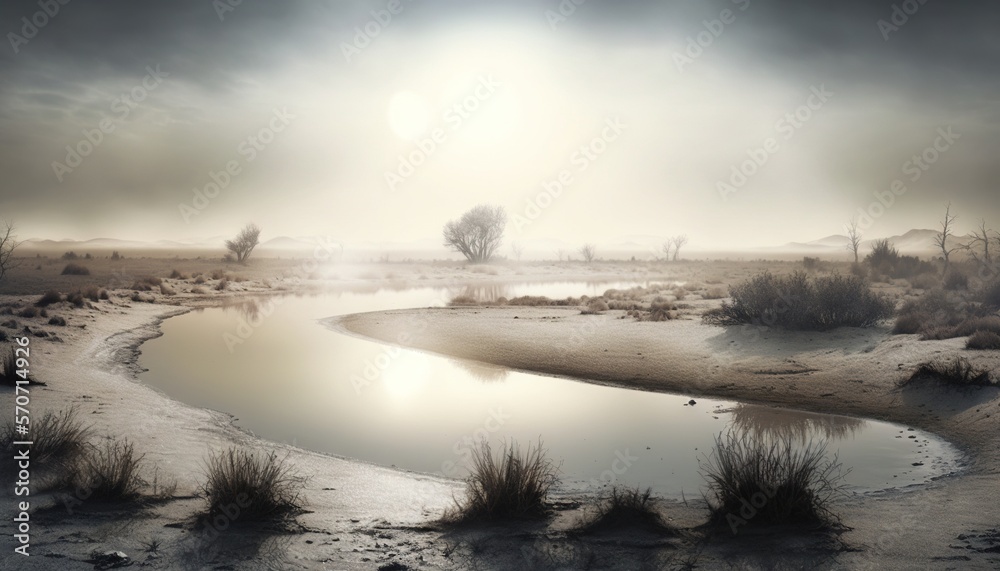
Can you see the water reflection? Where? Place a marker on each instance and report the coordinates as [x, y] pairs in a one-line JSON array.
[[797, 425], [481, 371]]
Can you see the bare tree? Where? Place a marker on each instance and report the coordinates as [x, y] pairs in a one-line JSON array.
[[588, 251], [679, 242], [980, 236], [854, 238], [561, 254], [8, 243], [478, 233], [517, 250], [245, 242], [667, 247], [947, 231]]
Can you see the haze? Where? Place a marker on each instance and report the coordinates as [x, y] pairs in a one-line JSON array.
[[331, 109]]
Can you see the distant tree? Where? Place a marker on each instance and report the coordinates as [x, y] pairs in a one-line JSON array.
[[679, 242], [517, 250], [947, 231], [245, 242], [561, 254], [667, 247], [478, 233], [854, 238], [979, 246], [588, 251], [8, 243]]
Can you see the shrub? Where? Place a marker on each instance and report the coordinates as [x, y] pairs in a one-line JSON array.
[[75, 270], [925, 281], [57, 437], [146, 283], [110, 472], [71, 255], [956, 280], [222, 285], [48, 299], [509, 485], [973, 324], [983, 340], [792, 486], [218, 274], [715, 293], [199, 290], [93, 293], [200, 279], [596, 305], [990, 296], [56, 320], [463, 300], [115, 255], [3, 335], [910, 323], [175, 275], [957, 372], [28, 312], [76, 298], [261, 484], [794, 302], [167, 290], [810, 264], [625, 507]]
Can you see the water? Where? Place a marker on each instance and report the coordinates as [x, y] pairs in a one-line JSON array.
[[291, 378]]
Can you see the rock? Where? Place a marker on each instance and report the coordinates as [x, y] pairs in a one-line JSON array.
[[109, 560]]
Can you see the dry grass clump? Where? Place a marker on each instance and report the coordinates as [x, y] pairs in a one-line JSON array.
[[956, 280], [625, 508], [72, 269], [259, 485], [958, 372], [199, 290], [167, 290], [755, 480], [200, 279], [626, 305], [797, 302], [177, 275], [58, 438], [94, 293], [10, 365], [223, 285], [983, 341], [75, 298], [58, 321], [218, 274], [463, 300], [146, 283], [715, 293], [508, 485], [595, 306], [48, 298], [28, 312], [110, 472]]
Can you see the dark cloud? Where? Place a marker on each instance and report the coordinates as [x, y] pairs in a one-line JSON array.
[[940, 67]]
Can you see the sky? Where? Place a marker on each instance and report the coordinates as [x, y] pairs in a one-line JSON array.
[[736, 122]]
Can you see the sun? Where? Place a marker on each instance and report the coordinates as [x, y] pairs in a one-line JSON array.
[[407, 115]]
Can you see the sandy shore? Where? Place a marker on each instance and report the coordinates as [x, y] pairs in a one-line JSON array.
[[361, 516], [847, 371]]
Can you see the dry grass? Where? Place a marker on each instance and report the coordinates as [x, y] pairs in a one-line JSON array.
[[957, 372], [508, 485], [58, 438], [72, 269], [780, 483], [983, 341], [797, 302], [48, 298], [625, 508], [110, 472], [261, 485]]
